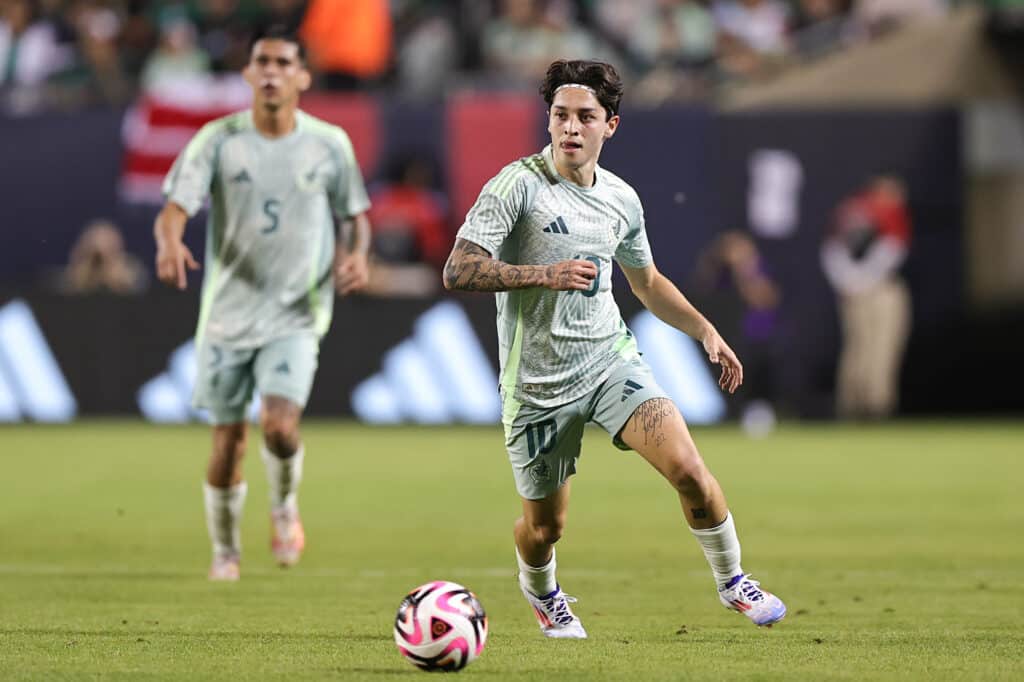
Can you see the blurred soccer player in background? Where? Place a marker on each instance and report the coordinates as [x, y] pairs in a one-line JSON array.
[[543, 234], [278, 179]]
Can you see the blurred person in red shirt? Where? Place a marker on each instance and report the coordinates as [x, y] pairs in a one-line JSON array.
[[411, 238], [861, 257]]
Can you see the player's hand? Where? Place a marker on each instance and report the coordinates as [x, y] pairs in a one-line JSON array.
[[173, 260], [720, 354], [569, 275], [351, 273]]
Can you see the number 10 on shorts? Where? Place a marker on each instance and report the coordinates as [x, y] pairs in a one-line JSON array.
[[540, 437]]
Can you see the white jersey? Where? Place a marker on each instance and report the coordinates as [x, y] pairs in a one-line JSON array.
[[556, 346], [270, 237]]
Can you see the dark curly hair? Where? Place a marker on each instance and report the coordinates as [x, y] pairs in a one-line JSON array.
[[602, 77]]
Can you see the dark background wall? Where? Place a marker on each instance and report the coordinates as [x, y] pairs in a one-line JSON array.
[[691, 167]]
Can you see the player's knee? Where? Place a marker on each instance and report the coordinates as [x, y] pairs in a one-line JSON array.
[[688, 475], [549, 533], [281, 434]]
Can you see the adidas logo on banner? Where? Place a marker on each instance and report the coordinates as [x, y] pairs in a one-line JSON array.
[[629, 388], [167, 398], [440, 374], [31, 383], [557, 227], [680, 367]]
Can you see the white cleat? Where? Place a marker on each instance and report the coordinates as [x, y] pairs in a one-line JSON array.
[[288, 538], [744, 595], [225, 568], [555, 617]]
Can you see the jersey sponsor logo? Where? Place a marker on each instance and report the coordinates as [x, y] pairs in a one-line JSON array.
[[242, 176], [557, 227], [32, 385], [629, 388], [440, 374], [283, 368]]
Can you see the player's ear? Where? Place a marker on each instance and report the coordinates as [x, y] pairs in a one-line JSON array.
[[305, 79], [249, 74], [613, 124]]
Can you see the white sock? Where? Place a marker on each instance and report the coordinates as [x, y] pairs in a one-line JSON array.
[[224, 516], [283, 477], [722, 549], [540, 581]]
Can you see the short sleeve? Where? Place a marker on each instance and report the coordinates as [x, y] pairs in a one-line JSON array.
[[502, 202], [634, 251], [188, 183], [349, 197]]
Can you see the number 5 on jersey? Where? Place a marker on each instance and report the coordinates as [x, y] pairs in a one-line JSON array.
[[272, 209]]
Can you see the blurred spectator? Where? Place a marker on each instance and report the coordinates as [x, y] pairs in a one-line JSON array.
[[178, 57], [30, 52], [428, 50], [678, 32], [881, 16], [411, 238], [734, 279], [349, 41], [97, 76], [674, 44], [99, 263], [225, 29], [822, 26], [861, 257], [527, 35], [752, 34], [517, 42]]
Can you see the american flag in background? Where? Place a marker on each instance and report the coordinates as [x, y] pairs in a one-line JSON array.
[[160, 124]]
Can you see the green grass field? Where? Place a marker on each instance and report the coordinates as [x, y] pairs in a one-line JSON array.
[[897, 548]]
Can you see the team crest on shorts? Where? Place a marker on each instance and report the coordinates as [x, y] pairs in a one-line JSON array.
[[540, 472]]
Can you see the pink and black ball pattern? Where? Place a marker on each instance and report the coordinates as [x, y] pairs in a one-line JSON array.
[[440, 626]]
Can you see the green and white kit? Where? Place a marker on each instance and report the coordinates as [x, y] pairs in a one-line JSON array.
[[561, 352], [270, 245]]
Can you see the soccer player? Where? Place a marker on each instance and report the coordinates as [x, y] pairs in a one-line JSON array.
[[278, 179], [543, 234]]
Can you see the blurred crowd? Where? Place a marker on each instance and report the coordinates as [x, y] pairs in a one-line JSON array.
[[66, 54]]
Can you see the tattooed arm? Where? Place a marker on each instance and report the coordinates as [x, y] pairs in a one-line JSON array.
[[471, 268]]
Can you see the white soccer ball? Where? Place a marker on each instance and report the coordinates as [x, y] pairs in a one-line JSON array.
[[440, 626]]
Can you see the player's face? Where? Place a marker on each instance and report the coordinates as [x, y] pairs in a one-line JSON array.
[[276, 74], [579, 125]]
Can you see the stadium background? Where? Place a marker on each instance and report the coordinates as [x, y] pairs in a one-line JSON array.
[[746, 135], [890, 541]]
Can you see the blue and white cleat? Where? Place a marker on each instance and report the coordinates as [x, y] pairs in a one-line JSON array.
[[744, 595], [555, 617]]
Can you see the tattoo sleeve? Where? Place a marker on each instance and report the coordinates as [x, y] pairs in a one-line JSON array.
[[471, 268]]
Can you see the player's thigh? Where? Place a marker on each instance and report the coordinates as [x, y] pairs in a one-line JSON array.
[[224, 382], [543, 445], [285, 368], [640, 416]]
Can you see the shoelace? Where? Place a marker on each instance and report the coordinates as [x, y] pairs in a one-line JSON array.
[[558, 607], [749, 589]]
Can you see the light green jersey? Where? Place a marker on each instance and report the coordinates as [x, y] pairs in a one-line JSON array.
[[270, 233], [555, 346]]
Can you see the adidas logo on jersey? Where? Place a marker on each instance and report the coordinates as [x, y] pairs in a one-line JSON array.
[[557, 227], [242, 177], [629, 388]]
